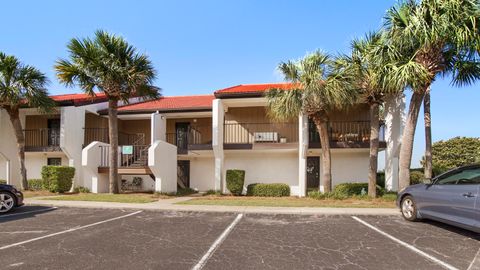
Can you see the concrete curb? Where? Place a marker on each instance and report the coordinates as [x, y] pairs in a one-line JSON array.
[[169, 205]]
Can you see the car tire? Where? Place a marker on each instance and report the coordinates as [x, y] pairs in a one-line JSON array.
[[408, 207], [7, 201]]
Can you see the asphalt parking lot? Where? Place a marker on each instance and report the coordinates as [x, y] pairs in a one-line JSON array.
[[73, 238]]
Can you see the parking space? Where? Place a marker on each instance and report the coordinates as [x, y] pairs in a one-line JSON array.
[[115, 239]]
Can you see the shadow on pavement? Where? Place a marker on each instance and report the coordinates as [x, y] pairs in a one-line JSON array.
[[25, 212], [453, 229]]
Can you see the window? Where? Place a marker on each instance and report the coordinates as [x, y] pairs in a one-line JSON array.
[[462, 177], [54, 161]]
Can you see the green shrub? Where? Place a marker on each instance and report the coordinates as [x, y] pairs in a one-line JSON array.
[[35, 184], [235, 181], [268, 190], [58, 178], [212, 192], [81, 190], [3, 182], [350, 189], [326, 195], [185, 191], [416, 177]]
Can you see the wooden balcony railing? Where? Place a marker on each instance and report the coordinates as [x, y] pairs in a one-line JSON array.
[[138, 157], [42, 138], [249, 133], [101, 135]]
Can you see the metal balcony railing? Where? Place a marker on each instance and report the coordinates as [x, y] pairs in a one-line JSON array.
[[138, 157], [43, 137], [249, 133], [101, 135], [193, 136]]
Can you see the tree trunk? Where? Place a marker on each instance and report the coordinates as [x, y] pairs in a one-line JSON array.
[[113, 136], [321, 122], [428, 135], [17, 128], [406, 148], [374, 131]]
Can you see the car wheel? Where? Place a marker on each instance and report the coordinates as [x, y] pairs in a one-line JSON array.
[[7, 202], [409, 208]]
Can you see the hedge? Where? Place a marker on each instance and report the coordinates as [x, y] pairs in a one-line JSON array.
[[235, 181], [416, 177], [81, 189], [35, 184], [454, 152], [58, 178], [350, 189], [268, 190]]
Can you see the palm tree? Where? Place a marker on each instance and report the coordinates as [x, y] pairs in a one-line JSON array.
[[363, 73], [21, 85], [438, 38], [315, 92], [109, 64]]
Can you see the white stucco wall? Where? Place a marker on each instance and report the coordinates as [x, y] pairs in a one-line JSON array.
[[72, 122], [162, 160], [202, 173], [8, 150], [349, 167], [96, 182], [34, 163], [266, 167]]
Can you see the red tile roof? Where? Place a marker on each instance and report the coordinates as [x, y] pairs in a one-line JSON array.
[[78, 99], [253, 88], [176, 103]]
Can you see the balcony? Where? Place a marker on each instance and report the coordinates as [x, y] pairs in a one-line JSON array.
[[101, 135], [346, 134], [42, 140], [191, 138], [258, 135]]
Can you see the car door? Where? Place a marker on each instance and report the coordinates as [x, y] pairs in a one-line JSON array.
[[453, 196]]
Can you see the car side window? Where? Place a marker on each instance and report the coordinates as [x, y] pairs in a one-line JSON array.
[[463, 177]]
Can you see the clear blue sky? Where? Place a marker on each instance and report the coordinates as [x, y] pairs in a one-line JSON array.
[[201, 46]]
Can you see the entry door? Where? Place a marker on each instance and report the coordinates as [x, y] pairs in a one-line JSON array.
[[313, 172], [181, 130], [183, 173], [53, 132]]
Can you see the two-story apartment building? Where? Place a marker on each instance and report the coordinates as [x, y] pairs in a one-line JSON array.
[[190, 141]]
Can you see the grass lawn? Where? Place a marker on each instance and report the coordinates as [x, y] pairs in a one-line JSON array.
[[291, 202], [102, 197]]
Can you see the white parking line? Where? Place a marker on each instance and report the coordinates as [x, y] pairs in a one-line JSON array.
[[414, 249], [217, 243], [29, 212], [476, 262], [67, 231]]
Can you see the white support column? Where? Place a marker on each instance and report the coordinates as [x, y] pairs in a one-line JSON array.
[[158, 127], [218, 116], [162, 160], [394, 123], [91, 155], [302, 154]]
